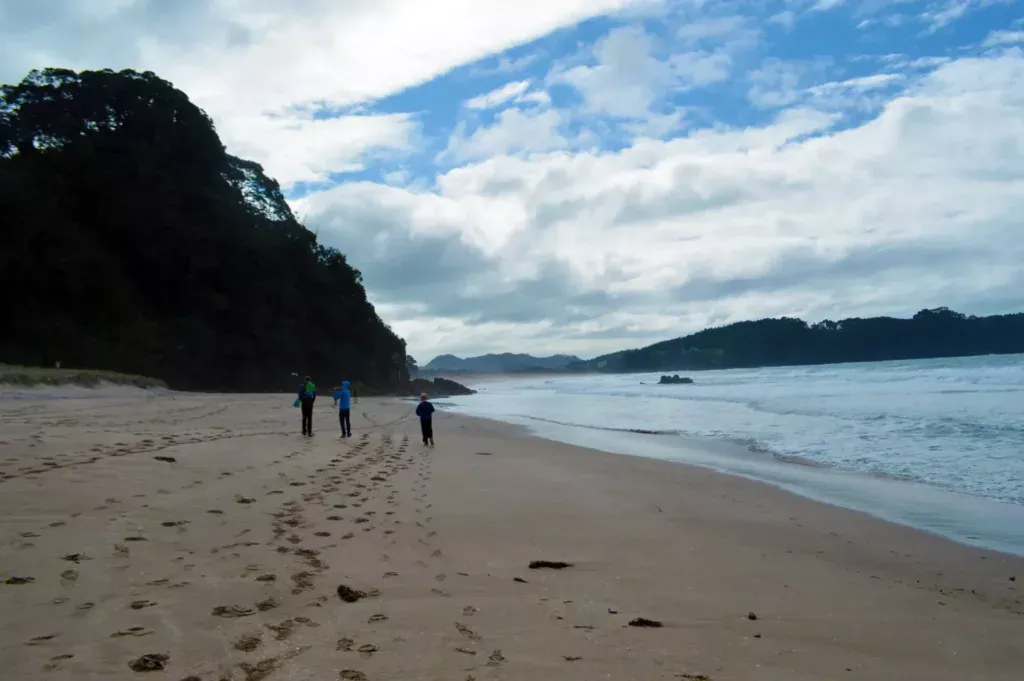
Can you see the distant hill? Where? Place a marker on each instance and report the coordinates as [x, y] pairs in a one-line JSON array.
[[777, 342], [133, 242], [506, 363]]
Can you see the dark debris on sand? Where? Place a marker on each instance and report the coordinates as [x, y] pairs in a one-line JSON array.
[[153, 662], [350, 595], [549, 564], [165, 459], [644, 622], [19, 580]]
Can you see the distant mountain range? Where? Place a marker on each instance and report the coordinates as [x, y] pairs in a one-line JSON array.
[[506, 363], [939, 332]]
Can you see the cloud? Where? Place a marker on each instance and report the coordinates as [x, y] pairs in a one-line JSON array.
[[299, 147], [997, 38], [631, 76], [243, 61], [586, 251], [826, 5], [497, 97], [627, 78], [514, 131], [779, 83], [945, 12]]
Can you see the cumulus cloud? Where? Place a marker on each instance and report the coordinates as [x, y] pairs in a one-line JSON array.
[[917, 206], [626, 78], [298, 147], [250, 63], [514, 131]]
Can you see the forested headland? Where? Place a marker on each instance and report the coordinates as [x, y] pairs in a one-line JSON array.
[[777, 342], [132, 241]]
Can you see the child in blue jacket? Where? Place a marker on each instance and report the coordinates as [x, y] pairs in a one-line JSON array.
[[343, 401]]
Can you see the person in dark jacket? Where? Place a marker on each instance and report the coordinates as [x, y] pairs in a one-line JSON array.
[[425, 410], [307, 396]]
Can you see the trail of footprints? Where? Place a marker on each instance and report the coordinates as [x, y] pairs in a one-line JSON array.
[[331, 504]]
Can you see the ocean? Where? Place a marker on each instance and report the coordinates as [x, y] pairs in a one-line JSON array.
[[935, 444]]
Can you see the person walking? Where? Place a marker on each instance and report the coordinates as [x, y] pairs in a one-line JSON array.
[[307, 396], [343, 401], [425, 410]]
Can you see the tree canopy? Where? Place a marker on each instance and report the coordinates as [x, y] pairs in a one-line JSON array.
[[773, 342], [132, 241]]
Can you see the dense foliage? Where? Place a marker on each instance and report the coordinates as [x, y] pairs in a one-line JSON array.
[[773, 342], [132, 241]]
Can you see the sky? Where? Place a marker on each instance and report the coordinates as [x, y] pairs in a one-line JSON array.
[[584, 176]]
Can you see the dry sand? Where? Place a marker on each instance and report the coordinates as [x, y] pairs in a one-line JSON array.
[[228, 558]]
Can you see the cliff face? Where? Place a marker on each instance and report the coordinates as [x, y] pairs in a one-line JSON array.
[[133, 242]]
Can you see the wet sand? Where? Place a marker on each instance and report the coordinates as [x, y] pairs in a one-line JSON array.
[[205, 533]]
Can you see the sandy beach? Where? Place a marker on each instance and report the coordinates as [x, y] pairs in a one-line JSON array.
[[201, 537]]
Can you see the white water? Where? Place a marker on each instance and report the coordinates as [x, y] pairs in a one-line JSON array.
[[937, 444]]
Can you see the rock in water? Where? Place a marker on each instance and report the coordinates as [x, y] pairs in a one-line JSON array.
[[675, 379]]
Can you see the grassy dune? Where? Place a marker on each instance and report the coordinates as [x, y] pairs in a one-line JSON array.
[[86, 378]]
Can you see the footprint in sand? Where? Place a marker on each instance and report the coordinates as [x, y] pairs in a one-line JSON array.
[[267, 604], [232, 611], [248, 643], [136, 632], [352, 675]]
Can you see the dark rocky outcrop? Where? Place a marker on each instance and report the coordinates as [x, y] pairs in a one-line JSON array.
[[675, 379], [439, 387]]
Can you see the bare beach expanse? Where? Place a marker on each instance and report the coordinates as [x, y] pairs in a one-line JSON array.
[[204, 532]]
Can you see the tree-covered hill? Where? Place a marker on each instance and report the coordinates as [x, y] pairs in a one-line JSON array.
[[131, 241], [773, 342]]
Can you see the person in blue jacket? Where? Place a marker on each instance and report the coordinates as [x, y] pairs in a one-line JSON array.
[[307, 396], [343, 401], [425, 410]]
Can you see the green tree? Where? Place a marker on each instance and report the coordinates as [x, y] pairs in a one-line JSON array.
[[132, 241]]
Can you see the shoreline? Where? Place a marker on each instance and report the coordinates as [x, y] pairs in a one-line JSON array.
[[132, 555], [974, 521]]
